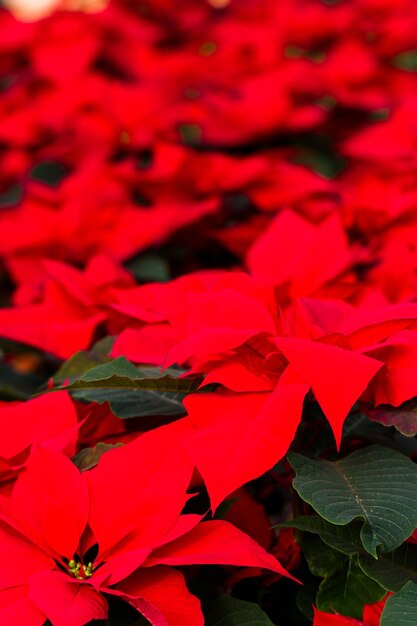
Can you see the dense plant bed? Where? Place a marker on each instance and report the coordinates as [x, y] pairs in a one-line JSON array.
[[208, 313]]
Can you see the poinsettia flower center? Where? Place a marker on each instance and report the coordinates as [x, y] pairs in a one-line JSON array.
[[80, 570]]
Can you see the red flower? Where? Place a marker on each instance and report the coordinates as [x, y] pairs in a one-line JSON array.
[[300, 251], [56, 518], [258, 415], [70, 308]]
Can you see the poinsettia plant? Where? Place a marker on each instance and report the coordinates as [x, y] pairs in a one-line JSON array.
[[208, 313]]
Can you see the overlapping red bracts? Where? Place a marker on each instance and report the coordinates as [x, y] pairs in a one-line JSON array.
[[55, 515], [281, 136]]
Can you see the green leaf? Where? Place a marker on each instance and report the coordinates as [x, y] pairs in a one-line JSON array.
[[375, 484], [401, 609], [149, 268], [50, 173], [132, 391], [348, 590], [406, 61], [131, 403], [120, 374], [227, 611], [89, 457], [190, 134], [345, 588], [393, 569], [78, 365], [346, 539]]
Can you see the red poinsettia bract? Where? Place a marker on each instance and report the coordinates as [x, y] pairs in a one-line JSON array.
[[71, 539], [371, 617]]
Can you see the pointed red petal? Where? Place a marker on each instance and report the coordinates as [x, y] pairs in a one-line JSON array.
[[396, 382], [337, 377], [238, 437], [216, 542], [40, 420], [120, 564], [17, 609], [160, 594], [21, 557], [220, 321], [49, 328], [372, 612], [66, 602], [159, 470], [149, 344], [51, 501], [330, 619]]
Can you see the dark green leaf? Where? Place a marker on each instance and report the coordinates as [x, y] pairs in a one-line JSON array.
[[406, 61], [133, 391], [401, 608], [393, 569], [190, 134], [121, 374], [50, 173], [345, 588], [150, 267], [89, 457], [227, 611], [78, 365], [346, 539], [129, 403], [375, 484]]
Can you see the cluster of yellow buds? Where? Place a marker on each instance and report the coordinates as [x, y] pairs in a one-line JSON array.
[[80, 571]]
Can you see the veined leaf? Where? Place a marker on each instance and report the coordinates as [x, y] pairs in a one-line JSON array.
[[401, 608], [134, 391], [345, 588], [393, 569], [346, 539], [227, 611], [375, 484]]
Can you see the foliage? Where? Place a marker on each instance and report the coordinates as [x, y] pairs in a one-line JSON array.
[[208, 313]]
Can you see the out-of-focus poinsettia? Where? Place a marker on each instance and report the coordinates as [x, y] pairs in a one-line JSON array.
[[29, 10], [301, 252], [65, 305], [72, 538]]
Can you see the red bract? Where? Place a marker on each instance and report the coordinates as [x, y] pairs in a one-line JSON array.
[[49, 420], [230, 330], [92, 212], [56, 518], [371, 617], [68, 305], [273, 140], [301, 253]]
